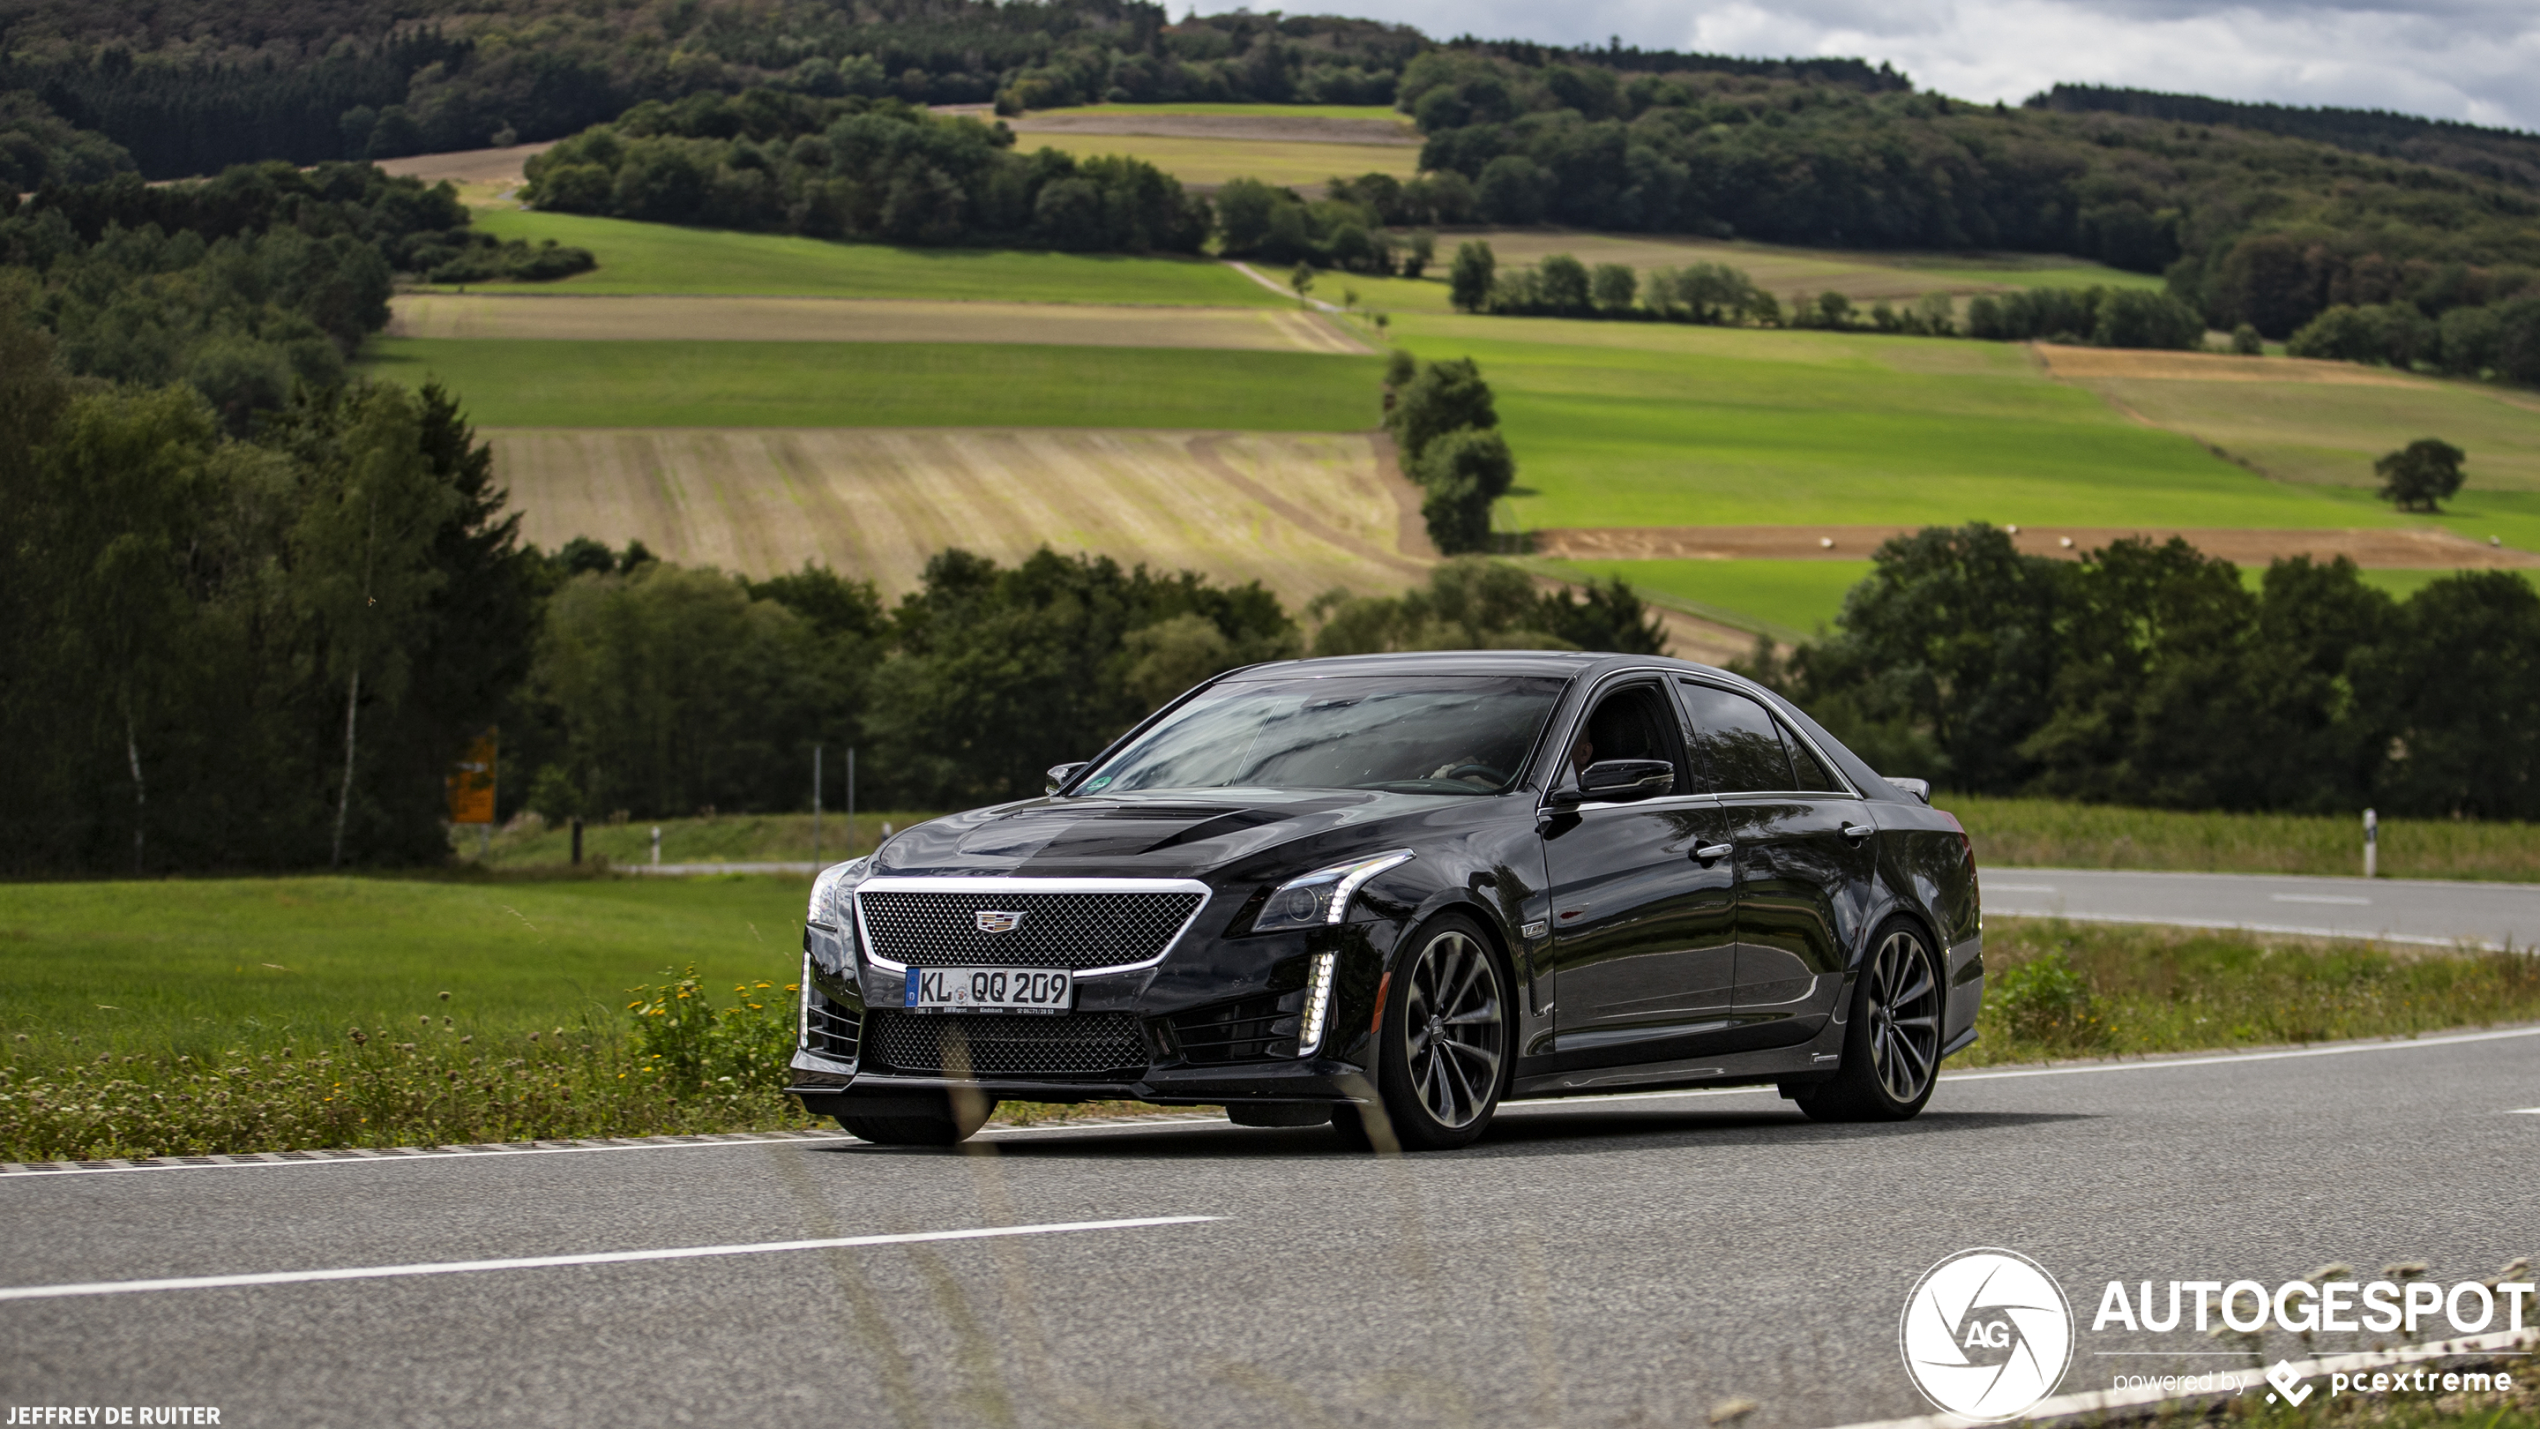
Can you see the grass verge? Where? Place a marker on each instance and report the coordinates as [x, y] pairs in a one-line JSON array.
[[2046, 833], [2055, 989], [296, 1013], [796, 384], [665, 258]]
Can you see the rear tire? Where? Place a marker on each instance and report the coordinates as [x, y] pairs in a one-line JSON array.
[[1891, 1046], [955, 1125]]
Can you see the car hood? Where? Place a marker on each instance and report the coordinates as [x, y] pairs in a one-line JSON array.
[[1186, 835]]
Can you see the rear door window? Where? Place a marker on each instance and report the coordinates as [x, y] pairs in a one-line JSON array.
[[1735, 741]]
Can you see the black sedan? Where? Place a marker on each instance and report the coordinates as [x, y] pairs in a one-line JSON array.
[[1391, 892]]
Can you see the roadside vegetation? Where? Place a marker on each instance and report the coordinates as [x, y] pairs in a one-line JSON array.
[[2051, 833], [189, 1018], [2055, 989]]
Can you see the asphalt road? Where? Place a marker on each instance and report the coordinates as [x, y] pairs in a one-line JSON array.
[[1622, 1261], [2404, 910]]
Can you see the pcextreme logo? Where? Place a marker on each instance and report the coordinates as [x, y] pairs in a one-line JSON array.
[[1986, 1333]]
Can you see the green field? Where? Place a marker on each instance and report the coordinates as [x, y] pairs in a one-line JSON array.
[[798, 384], [1207, 161], [189, 967], [1236, 111], [1788, 600], [664, 258], [1645, 424]]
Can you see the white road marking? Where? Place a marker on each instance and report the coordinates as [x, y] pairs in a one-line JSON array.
[[2524, 1111], [542, 1262], [2337, 1051], [2320, 898], [1991, 887], [383, 1156]]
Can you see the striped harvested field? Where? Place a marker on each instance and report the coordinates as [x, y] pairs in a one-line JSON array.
[[800, 319], [1205, 163], [1300, 513]]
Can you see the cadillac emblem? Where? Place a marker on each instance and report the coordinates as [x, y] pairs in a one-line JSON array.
[[997, 922]]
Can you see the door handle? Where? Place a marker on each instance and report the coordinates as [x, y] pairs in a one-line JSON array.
[[1714, 852], [1858, 832]]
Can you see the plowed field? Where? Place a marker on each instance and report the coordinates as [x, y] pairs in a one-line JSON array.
[[751, 319]]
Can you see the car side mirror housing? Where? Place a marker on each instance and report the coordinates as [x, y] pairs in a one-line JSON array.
[[1059, 774], [1623, 780], [1919, 788]]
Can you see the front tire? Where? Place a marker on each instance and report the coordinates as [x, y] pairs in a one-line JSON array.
[[1891, 1049], [1442, 1047], [961, 1117]]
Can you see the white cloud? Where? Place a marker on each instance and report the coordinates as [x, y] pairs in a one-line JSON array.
[[2450, 59]]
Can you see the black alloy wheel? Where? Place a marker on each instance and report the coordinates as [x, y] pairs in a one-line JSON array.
[[1442, 1057], [1891, 1051]]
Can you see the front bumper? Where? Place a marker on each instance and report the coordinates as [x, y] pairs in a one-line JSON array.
[[1216, 1023]]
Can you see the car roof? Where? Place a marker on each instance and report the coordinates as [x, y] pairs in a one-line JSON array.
[[1562, 664]]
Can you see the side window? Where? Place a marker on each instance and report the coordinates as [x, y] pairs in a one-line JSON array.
[[1735, 740], [1811, 774], [1631, 723]]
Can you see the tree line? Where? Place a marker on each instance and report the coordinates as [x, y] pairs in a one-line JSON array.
[[659, 689], [859, 168], [2152, 674], [1572, 141], [1718, 294], [189, 87], [246, 286], [223, 650]]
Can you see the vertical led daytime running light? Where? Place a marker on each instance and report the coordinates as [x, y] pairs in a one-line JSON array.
[[802, 1007], [1318, 1005]]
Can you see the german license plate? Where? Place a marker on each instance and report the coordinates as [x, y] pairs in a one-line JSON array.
[[989, 990]]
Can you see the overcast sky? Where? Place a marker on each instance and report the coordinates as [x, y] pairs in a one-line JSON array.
[[2477, 60]]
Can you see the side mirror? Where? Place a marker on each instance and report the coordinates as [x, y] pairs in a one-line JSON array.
[[1059, 774], [1919, 788], [1621, 781]]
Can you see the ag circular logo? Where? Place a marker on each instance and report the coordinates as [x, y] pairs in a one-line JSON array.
[[1986, 1333]]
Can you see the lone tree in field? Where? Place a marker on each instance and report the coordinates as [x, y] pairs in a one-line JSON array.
[[1303, 281], [1468, 282], [2422, 475]]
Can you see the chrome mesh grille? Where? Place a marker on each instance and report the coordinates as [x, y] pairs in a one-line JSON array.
[[1068, 1044], [1057, 930]]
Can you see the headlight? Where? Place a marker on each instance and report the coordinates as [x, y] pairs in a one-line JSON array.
[[829, 902], [1323, 895]]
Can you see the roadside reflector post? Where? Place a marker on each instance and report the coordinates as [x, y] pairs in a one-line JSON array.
[[2372, 843], [656, 845]]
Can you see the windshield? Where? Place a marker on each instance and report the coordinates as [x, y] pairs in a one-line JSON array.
[[1427, 735]]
